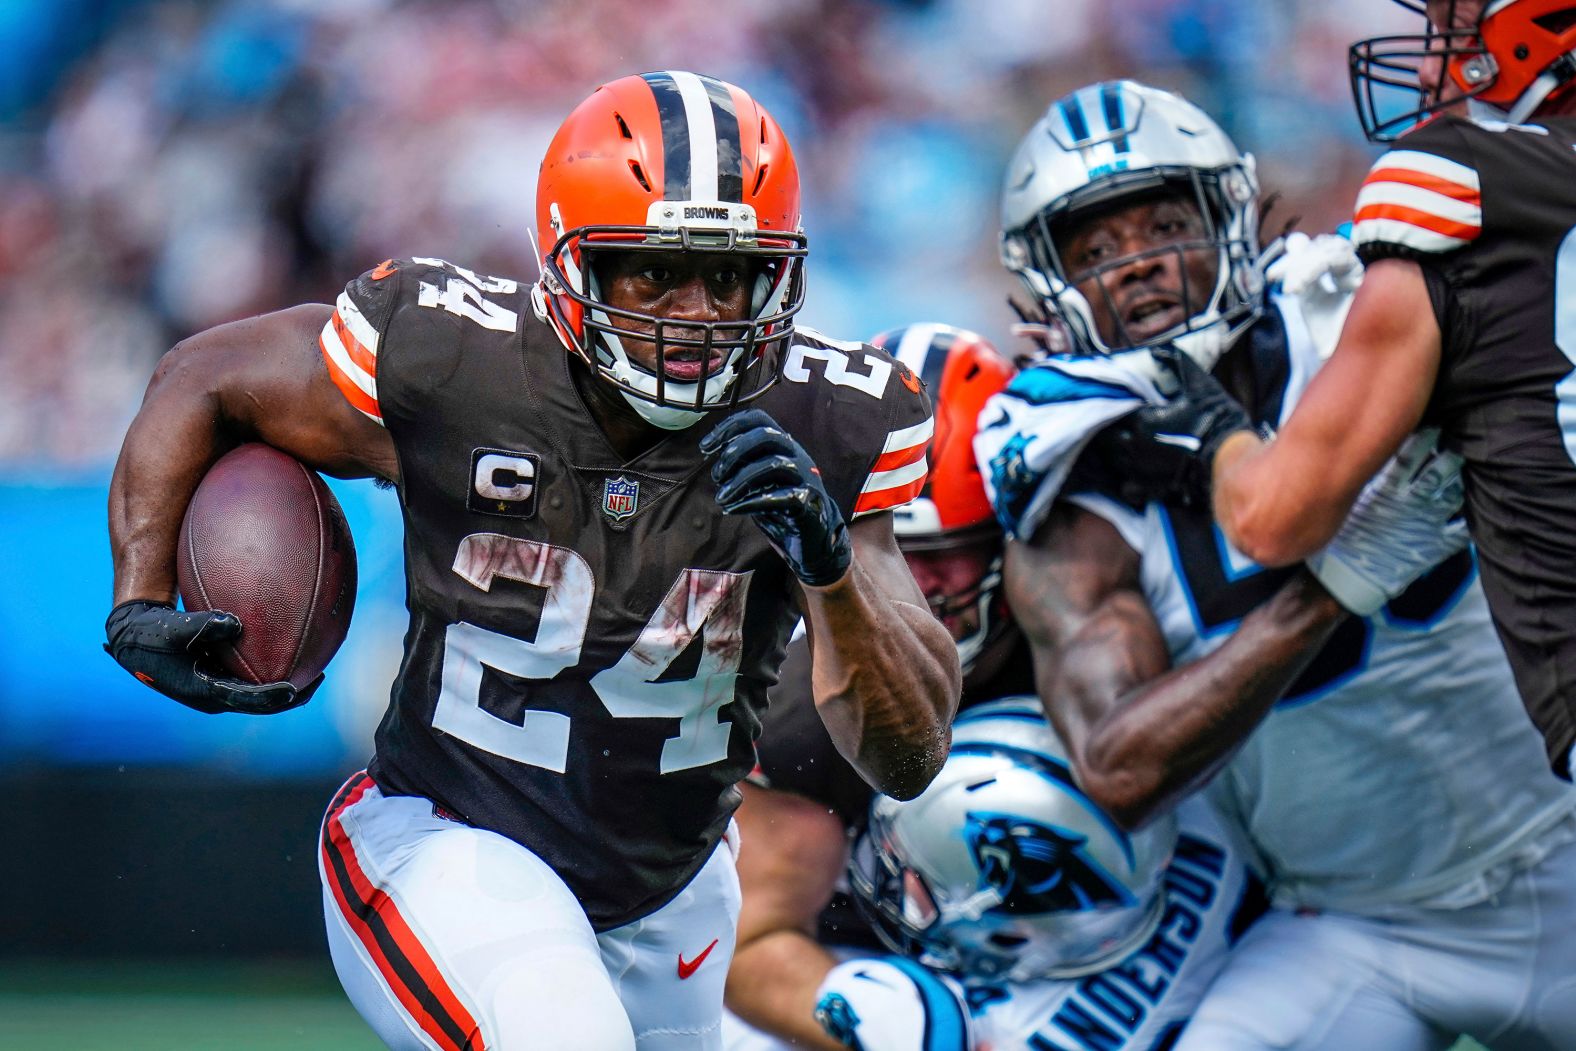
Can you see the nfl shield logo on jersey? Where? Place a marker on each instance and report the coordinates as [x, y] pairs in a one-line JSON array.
[[619, 497]]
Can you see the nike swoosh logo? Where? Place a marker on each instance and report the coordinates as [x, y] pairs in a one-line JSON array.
[[384, 269], [687, 968], [1181, 441]]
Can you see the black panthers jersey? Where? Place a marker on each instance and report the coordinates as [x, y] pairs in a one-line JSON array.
[[591, 640], [1489, 211]]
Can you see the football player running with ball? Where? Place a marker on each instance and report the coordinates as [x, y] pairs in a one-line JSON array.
[[621, 487], [1466, 321], [1354, 719]]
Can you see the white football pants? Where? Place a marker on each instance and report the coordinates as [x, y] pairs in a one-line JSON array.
[[1500, 967], [451, 938]]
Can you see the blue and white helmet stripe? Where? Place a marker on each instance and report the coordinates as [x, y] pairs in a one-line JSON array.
[[1097, 115]]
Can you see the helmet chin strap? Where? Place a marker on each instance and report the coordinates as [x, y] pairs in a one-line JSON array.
[[989, 631], [667, 417], [1559, 73], [664, 416], [1204, 345], [1535, 95], [612, 356], [1488, 113]]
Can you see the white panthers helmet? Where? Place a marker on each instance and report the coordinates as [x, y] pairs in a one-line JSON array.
[[1003, 869], [1119, 139]]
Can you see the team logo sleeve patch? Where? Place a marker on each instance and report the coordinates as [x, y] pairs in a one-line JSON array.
[[1419, 201], [350, 348], [899, 472]]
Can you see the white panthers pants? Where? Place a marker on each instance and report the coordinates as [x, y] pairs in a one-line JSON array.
[[1500, 967], [451, 938]]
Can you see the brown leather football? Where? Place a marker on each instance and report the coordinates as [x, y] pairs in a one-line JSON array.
[[263, 538]]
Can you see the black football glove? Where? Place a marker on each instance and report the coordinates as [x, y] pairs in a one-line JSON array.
[[1167, 452], [762, 472], [162, 646]]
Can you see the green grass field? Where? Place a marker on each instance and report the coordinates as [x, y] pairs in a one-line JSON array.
[[221, 1006], [218, 1006]]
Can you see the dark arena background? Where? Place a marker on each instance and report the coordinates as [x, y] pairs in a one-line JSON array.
[[168, 166]]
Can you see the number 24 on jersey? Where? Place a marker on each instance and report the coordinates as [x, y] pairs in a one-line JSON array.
[[713, 599]]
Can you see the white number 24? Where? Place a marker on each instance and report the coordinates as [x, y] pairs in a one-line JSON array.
[[700, 599]]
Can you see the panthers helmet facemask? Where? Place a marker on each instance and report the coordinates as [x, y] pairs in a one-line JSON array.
[[1002, 869], [1520, 56], [1114, 144], [672, 161], [952, 515]]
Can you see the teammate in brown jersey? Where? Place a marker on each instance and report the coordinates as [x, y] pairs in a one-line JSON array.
[[607, 551], [1466, 320]]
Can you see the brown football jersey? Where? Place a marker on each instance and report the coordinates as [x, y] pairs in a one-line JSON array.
[[591, 640], [1489, 211]]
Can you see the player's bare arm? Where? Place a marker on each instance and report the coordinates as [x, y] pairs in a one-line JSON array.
[[796, 853], [1280, 501], [886, 673], [1142, 735], [261, 379]]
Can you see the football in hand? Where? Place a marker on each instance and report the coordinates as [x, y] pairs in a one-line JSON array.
[[264, 539]]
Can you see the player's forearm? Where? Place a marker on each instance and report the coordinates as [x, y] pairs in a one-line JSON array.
[[1272, 506], [1165, 739], [1281, 502], [886, 682], [173, 439], [772, 985]]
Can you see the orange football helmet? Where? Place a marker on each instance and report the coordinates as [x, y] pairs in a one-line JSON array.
[[948, 533], [1519, 58], [672, 161]]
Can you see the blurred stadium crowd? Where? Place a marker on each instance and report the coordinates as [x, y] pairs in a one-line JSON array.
[[166, 165]]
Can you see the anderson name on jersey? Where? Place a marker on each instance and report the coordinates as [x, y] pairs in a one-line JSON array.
[[1488, 212], [1140, 1003], [1413, 708], [1144, 1001], [591, 640]]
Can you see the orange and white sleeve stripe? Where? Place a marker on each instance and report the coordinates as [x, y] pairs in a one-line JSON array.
[[350, 347], [899, 472], [1420, 201]]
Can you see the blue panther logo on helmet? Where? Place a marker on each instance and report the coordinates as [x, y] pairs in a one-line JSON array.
[[1036, 868]]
